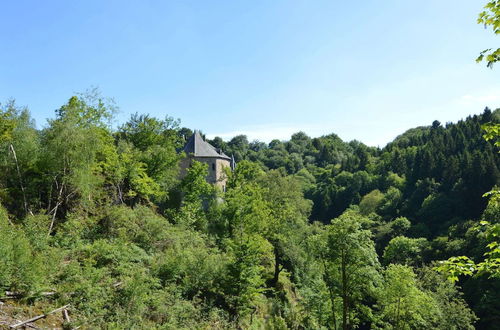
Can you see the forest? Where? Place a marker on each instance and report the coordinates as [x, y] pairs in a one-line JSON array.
[[311, 233], [99, 229]]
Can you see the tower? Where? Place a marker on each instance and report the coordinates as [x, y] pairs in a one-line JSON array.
[[198, 149]]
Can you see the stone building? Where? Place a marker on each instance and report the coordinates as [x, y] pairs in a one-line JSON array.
[[200, 150]]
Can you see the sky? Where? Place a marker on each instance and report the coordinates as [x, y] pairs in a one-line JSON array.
[[365, 70]]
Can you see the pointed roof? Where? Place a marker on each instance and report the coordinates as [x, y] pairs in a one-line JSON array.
[[200, 148]]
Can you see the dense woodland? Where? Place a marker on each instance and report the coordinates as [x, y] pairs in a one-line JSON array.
[[311, 233]]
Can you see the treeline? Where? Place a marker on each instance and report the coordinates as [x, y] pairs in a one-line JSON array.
[[433, 175], [310, 233]]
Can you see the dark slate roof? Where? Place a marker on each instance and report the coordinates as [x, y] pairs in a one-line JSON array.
[[200, 148]]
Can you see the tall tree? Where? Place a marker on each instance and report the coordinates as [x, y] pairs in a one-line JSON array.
[[288, 218], [351, 264], [78, 144]]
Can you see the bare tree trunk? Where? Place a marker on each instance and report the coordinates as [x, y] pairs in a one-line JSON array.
[[17, 325], [66, 316], [59, 202], [120, 194], [11, 146]]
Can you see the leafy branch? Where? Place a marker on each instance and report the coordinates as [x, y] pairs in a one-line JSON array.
[[490, 17]]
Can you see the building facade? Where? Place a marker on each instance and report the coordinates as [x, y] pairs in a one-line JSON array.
[[198, 149]]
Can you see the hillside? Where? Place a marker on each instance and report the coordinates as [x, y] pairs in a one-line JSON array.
[[310, 233]]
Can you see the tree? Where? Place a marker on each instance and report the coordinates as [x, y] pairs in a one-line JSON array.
[[79, 149], [390, 203], [288, 219], [22, 269], [400, 226], [404, 305], [371, 202], [20, 140], [490, 17], [463, 265], [196, 196], [245, 280], [238, 146], [242, 222], [404, 250], [454, 312], [351, 264], [148, 149]]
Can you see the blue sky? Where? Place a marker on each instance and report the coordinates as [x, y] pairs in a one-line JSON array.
[[365, 70]]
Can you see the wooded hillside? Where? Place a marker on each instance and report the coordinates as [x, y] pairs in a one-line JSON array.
[[311, 232]]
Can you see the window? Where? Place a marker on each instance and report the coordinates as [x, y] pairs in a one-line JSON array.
[[213, 166]]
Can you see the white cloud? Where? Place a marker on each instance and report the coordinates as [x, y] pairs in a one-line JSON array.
[[491, 98], [377, 117], [267, 133]]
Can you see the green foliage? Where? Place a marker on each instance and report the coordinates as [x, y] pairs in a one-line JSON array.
[[7, 121], [371, 202], [18, 161], [400, 225], [22, 269], [133, 182], [390, 205], [87, 109], [492, 132], [404, 305], [404, 250], [490, 266], [103, 218], [350, 265], [454, 312], [75, 155], [490, 17], [246, 273], [147, 148], [197, 195]]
